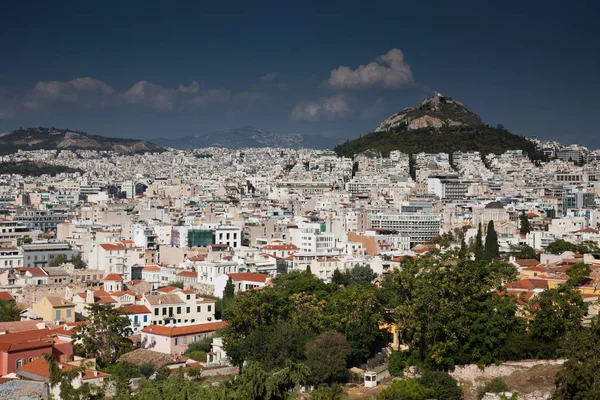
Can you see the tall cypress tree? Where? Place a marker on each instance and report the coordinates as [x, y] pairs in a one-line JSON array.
[[463, 251], [479, 251], [525, 225], [228, 294], [491, 243]]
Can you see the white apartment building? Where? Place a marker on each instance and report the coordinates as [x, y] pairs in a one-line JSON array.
[[182, 306], [10, 257], [230, 235], [420, 227]]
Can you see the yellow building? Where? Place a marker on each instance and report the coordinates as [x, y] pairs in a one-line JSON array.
[[55, 308]]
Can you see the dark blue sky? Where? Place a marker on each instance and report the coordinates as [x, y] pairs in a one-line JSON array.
[[151, 69]]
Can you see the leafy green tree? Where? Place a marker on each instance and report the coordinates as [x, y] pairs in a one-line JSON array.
[[579, 377], [333, 392], [104, 337], [77, 261], [559, 246], [341, 278], [9, 311], [397, 363], [250, 311], [491, 249], [147, 369], [556, 312], [578, 274], [63, 379], [460, 318], [362, 273], [326, 357], [408, 389], [524, 223], [524, 252], [58, 260], [479, 250], [444, 386], [356, 312]]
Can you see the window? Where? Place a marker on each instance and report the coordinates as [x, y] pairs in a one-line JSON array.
[[156, 311], [20, 362], [185, 340], [164, 312], [68, 314], [178, 310], [57, 315], [145, 318], [209, 308], [187, 310], [188, 296], [170, 311], [176, 341], [198, 309]]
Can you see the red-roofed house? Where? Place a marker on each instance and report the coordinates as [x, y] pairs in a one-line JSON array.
[[113, 282], [175, 339], [21, 348], [39, 370], [139, 315], [188, 277], [242, 281], [116, 258]]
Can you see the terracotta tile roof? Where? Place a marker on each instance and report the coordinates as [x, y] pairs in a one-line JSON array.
[[165, 299], [527, 262], [6, 296], [527, 284], [248, 276], [36, 272], [187, 291], [168, 289], [113, 277], [141, 356], [127, 241], [189, 274], [18, 326], [105, 300], [120, 293], [587, 230], [31, 339], [197, 258], [57, 301], [136, 309], [151, 268], [113, 247], [193, 329]]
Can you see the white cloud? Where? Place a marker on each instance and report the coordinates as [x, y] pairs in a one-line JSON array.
[[389, 71], [194, 87], [87, 91], [335, 107], [271, 76], [212, 96], [150, 94]]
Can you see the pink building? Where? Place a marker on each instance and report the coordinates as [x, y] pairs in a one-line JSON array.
[[175, 339]]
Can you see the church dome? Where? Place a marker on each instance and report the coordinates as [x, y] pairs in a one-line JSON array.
[[494, 205]]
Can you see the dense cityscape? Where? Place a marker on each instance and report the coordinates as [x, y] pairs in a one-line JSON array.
[[299, 200]]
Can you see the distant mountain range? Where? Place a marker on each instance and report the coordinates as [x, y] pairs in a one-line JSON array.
[[438, 124], [65, 139], [249, 136]]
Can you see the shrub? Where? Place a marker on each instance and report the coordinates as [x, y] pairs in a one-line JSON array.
[[444, 386], [147, 369], [496, 385], [397, 363]]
